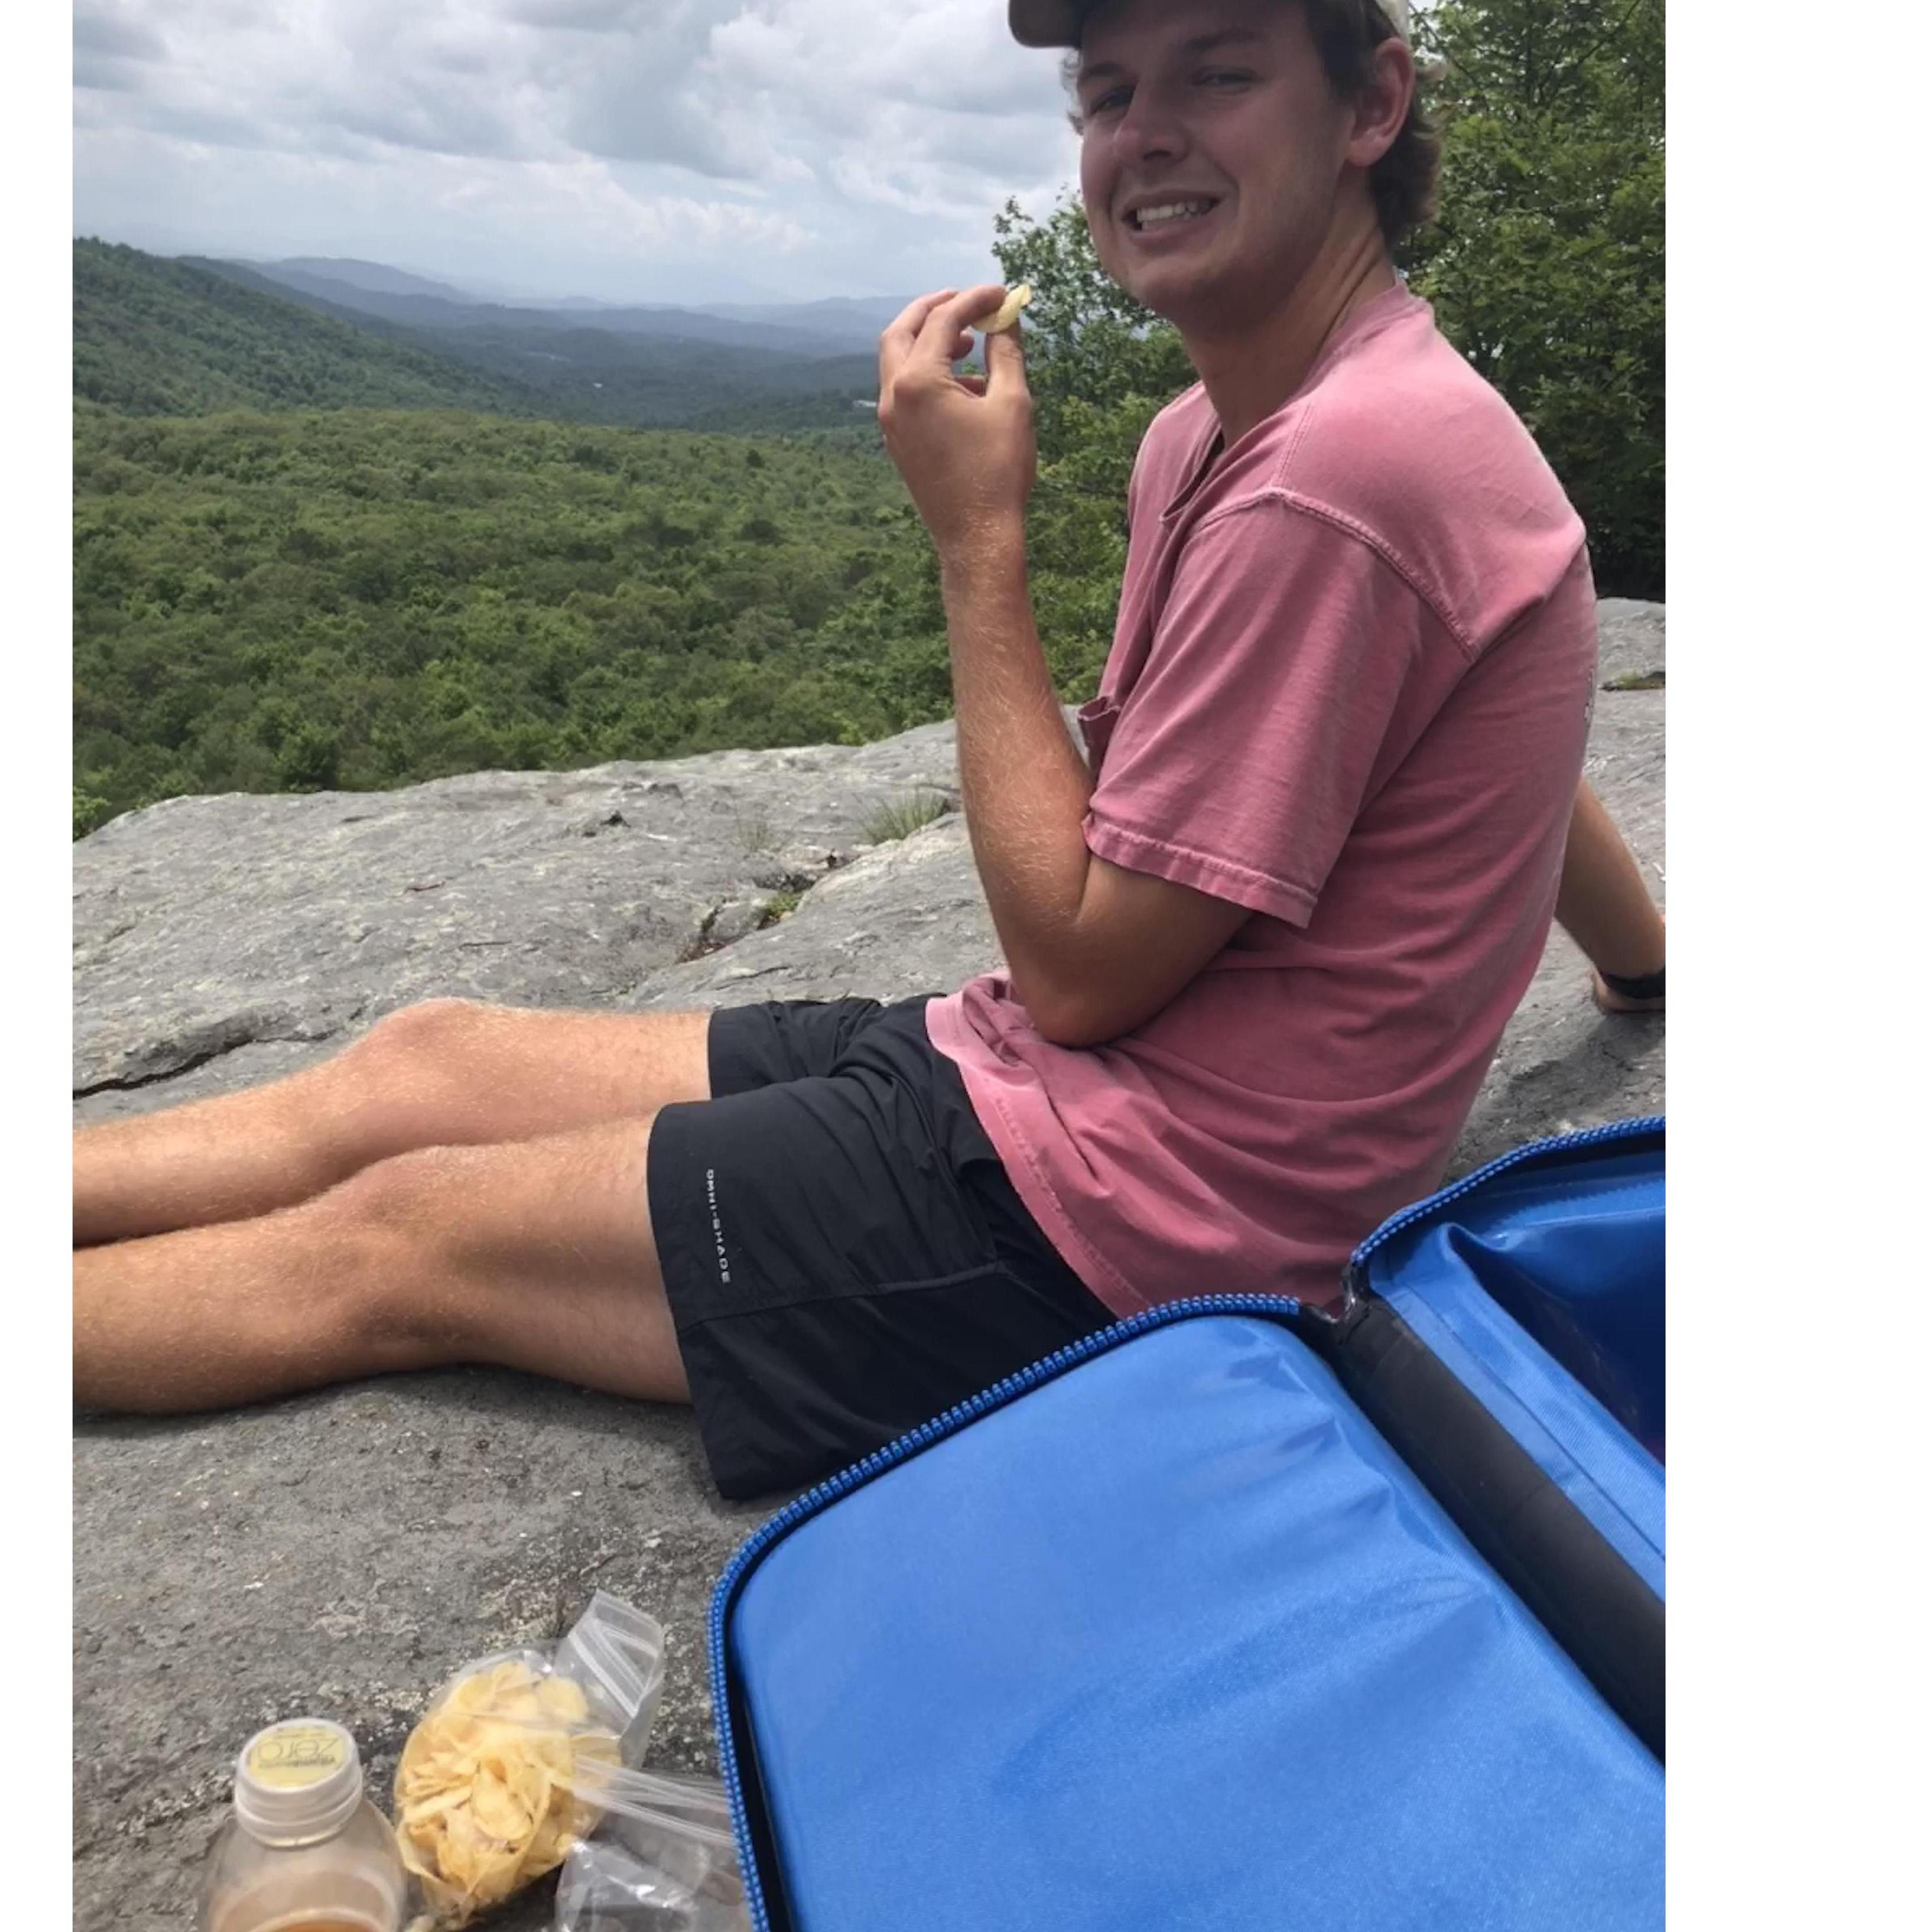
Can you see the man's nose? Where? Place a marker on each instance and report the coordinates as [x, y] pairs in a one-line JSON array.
[[1152, 128]]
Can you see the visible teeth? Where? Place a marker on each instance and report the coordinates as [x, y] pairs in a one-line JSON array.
[[1172, 210]]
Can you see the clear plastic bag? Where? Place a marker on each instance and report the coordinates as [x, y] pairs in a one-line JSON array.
[[615, 1651], [492, 1789], [662, 1861]]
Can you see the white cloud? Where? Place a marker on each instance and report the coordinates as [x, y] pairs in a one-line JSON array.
[[804, 141]]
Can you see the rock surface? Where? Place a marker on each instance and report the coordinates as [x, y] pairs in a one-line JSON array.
[[343, 1552]]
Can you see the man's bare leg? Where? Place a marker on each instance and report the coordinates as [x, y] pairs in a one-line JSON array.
[[446, 1072], [535, 1255], [1604, 905]]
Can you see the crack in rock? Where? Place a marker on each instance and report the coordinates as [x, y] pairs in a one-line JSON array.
[[197, 1047], [790, 877]]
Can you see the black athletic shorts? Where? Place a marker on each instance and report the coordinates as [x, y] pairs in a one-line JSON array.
[[844, 1254]]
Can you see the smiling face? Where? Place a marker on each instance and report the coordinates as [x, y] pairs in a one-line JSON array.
[[1212, 154]]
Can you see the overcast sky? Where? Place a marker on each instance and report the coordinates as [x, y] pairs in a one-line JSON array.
[[648, 150]]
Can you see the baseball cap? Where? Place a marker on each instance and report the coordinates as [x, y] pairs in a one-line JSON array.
[[1056, 23]]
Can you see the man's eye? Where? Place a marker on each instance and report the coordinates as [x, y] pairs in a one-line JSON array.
[[1111, 102], [1224, 77]]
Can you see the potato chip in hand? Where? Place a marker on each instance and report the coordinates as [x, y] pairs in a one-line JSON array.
[[1007, 313]]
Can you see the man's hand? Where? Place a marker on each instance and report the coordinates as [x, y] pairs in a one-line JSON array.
[[964, 444]]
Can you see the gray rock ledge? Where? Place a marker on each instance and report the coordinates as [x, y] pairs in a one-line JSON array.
[[342, 1552]]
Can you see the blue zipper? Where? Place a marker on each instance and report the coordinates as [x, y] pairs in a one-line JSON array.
[[1407, 1217], [1277, 1307]]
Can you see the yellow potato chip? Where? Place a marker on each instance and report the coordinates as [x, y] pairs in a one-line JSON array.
[[562, 1697], [1007, 313], [494, 1807], [554, 1837], [483, 1801]]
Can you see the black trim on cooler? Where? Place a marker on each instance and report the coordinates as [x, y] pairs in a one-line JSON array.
[[770, 1910], [1591, 1600]]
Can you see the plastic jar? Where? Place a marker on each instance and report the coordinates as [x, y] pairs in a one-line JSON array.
[[305, 1851]]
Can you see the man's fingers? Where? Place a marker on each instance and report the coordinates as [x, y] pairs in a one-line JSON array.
[[904, 327], [935, 332], [902, 332], [1005, 363], [947, 321]]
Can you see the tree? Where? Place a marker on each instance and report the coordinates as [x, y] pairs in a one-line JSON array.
[[1090, 347], [1546, 263], [310, 760], [1100, 366]]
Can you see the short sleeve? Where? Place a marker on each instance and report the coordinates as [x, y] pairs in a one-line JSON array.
[[1238, 763]]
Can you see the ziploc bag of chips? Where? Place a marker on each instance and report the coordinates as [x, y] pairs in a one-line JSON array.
[[498, 1780]]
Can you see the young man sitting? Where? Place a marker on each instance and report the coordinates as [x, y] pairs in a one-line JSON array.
[[1262, 941]]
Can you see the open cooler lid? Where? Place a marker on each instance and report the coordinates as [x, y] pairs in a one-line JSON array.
[[1169, 1637]]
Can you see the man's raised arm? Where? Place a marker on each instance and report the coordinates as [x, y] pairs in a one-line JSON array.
[[1093, 948]]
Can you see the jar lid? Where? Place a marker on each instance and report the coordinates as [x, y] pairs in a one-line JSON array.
[[297, 1781]]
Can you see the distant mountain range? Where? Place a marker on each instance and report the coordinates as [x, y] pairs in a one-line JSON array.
[[153, 336], [375, 277], [842, 325], [868, 314]]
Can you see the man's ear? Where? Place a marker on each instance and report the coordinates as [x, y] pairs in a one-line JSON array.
[[1382, 106]]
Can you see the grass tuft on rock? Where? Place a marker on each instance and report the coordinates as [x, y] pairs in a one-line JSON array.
[[904, 816]]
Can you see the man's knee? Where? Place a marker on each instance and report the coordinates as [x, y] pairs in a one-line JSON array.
[[410, 1081], [428, 1034], [386, 1238]]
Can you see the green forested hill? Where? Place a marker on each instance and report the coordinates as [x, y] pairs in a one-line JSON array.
[[268, 601], [366, 596], [155, 337]]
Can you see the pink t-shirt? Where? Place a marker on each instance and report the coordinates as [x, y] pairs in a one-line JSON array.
[[1349, 688]]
